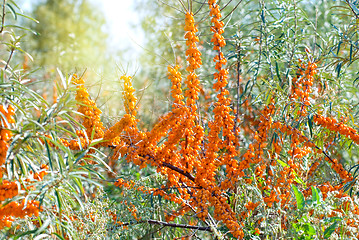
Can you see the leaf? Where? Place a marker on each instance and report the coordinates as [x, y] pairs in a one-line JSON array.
[[57, 235], [277, 71], [12, 10], [63, 79], [333, 219], [283, 164], [310, 230], [20, 27], [316, 195], [330, 230], [310, 125], [338, 68], [299, 197], [32, 19], [339, 44], [263, 17], [59, 200], [24, 234]]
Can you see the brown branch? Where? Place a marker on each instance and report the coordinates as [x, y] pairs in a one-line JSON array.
[[8, 61], [176, 169], [3, 17], [166, 224]]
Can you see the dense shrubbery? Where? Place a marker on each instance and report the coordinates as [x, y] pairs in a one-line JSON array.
[[260, 141]]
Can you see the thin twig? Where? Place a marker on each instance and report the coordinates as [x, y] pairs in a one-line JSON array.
[[183, 5], [171, 6], [3, 17], [8, 61], [199, 9], [231, 10]]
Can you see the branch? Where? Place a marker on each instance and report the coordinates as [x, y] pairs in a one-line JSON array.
[[176, 169], [175, 225], [3, 17], [8, 61]]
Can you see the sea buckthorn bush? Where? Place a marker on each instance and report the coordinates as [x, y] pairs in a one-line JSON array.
[[259, 142]]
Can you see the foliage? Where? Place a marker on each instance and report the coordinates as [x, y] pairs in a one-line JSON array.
[[259, 140]]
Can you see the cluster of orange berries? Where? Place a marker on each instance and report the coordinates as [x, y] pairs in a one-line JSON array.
[[302, 85], [217, 28], [194, 61], [192, 53], [112, 134], [43, 171], [176, 79], [338, 168], [8, 190], [312, 168], [128, 95], [250, 206], [91, 121], [223, 124], [6, 118], [335, 126], [17, 210]]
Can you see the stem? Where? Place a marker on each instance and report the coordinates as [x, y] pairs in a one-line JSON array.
[[176, 169], [8, 61], [3, 17]]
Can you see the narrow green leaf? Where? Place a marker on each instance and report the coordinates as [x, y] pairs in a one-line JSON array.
[[63, 79], [338, 68], [277, 70], [59, 200], [299, 197], [283, 164], [315, 195], [310, 125], [12, 10], [32, 19], [59, 236], [20, 27], [330, 230], [338, 48]]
